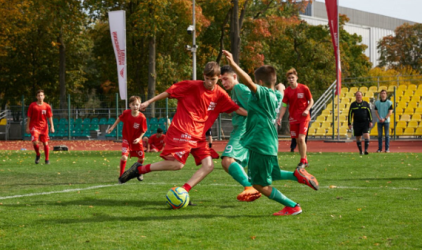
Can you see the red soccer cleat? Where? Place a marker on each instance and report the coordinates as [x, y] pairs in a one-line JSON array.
[[249, 194], [289, 211], [306, 178]]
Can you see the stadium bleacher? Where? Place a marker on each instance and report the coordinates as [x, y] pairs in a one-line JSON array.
[[407, 117]]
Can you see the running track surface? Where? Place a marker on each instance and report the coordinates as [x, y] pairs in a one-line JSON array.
[[284, 146]]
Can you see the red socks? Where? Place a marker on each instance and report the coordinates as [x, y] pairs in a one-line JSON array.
[[303, 160], [144, 169], [122, 167], [37, 149], [187, 187], [46, 152]]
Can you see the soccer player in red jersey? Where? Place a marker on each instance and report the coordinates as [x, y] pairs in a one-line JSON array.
[[38, 113], [156, 141], [299, 99], [186, 133], [134, 127]]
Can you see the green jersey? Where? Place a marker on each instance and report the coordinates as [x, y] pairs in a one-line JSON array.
[[261, 133], [240, 94]]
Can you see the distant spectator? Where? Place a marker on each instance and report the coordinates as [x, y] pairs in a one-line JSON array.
[[360, 112], [156, 141], [383, 110], [145, 143]]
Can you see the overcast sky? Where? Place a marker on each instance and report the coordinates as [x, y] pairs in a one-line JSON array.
[[410, 10]]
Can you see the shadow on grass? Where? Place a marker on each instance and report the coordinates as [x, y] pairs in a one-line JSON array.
[[57, 184], [377, 179]]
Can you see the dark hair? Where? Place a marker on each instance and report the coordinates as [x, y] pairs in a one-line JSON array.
[[212, 69], [134, 98], [159, 130], [226, 69], [383, 91], [267, 74], [40, 91]]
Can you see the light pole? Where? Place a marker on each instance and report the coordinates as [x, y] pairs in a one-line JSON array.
[[191, 31]]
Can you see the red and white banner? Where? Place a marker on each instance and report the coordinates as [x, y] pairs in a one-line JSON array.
[[332, 14], [117, 20]]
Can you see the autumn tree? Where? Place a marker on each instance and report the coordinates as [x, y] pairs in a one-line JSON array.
[[404, 48]]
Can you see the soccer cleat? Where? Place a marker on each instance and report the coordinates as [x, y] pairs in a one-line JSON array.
[[360, 152], [131, 173], [249, 194], [306, 178], [140, 178], [289, 211], [379, 151], [302, 165], [47, 162], [37, 159], [387, 151], [366, 153]]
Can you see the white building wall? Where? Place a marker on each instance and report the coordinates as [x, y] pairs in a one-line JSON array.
[[370, 35]]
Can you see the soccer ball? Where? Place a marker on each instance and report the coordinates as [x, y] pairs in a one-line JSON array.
[[177, 197]]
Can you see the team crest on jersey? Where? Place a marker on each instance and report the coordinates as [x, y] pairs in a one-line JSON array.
[[300, 95], [212, 105], [43, 112], [186, 136], [136, 125]]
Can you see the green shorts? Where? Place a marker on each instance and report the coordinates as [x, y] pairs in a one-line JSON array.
[[263, 169], [236, 151]]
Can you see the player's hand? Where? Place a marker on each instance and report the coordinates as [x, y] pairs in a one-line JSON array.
[[27, 130], [305, 113], [136, 141], [52, 130], [350, 126], [370, 124], [108, 131], [228, 56], [143, 106], [279, 121]]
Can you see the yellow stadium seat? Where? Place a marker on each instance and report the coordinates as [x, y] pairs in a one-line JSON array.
[[382, 87], [416, 117], [312, 131], [3, 122], [373, 88], [412, 104], [374, 130], [420, 86], [418, 110], [401, 105], [320, 132], [402, 87], [401, 124], [409, 132], [408, 92], [405, 117], [418, 92], [404, 98], [399, 111], [391, 88], [344, 90], [326, 112], [418, 131], [369, 94], [412, 87], [399, 131], [363, 89], [320, 118], [413, 124], [366, 99], [408, 110], [326, 124], [353, 90]]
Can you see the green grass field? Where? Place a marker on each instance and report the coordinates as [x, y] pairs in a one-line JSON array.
[[369, 202]]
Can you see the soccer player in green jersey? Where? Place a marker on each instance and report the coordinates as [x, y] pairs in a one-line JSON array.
[[262, 140]]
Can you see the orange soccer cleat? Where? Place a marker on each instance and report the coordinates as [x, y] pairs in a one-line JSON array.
[[289, 211], [306, 178], [249, 194]]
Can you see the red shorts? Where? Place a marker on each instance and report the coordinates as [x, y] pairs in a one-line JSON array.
[[36, 135], [298, 128], [134, 150], [180, 151]]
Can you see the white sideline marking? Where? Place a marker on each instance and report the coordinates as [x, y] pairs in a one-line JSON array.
[[214, 184]]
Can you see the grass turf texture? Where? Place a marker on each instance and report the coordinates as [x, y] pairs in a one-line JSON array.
[[366, 202]]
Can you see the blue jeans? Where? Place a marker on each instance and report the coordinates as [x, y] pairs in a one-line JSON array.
[[386, 127]]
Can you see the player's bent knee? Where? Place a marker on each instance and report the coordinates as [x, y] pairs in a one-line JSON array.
[[226, 162], [124, 158], [177, 165]]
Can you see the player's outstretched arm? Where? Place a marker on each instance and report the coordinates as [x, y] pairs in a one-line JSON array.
[[281, 114], [161, 96], [113, 126], [244, 78], [27, 125], [241, 111]]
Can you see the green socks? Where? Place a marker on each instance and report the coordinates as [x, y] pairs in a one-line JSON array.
[[238, 173], [281, 198], [286, 175]]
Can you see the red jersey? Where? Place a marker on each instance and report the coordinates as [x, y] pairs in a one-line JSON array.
[[213, 115], [298, 100], [156, 142], [38, 115], [195, 103], [133, 127]]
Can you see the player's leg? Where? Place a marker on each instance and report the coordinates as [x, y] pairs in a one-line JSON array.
[[357, 131], [206, 168], [237, 172], [301, 142], [380, 127], [261, 169], [365, 132], [387, 137], [35, 140], [123, 162], [44, 139]]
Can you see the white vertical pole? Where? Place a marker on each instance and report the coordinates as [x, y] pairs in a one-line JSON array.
[[337, 68], [193, 42]]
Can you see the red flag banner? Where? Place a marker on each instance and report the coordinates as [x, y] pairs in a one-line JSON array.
[[332, 14]]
